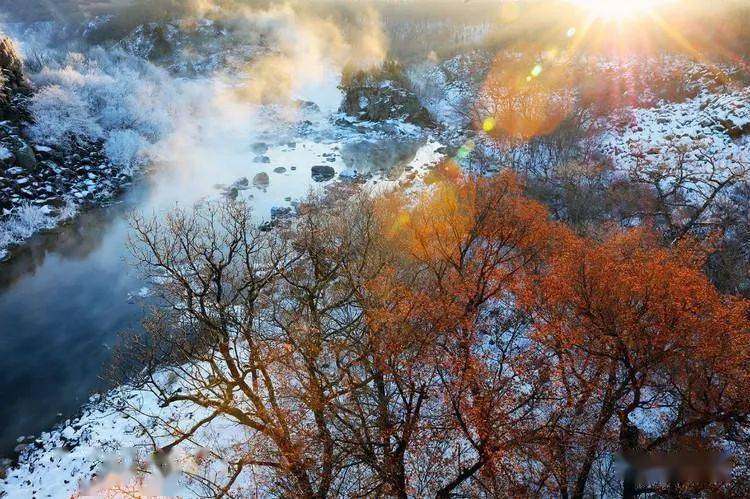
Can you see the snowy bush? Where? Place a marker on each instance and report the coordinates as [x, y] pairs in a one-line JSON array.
[[6, 238], [23, 223], [60, 114], [124, 148], [69, 210], [106, 95], [28, 219]]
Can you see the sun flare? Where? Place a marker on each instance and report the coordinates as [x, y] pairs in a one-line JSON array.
[[618, 10]]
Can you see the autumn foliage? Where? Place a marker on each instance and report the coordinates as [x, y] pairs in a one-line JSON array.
[[458, 342], [621, 331], [644, 350]]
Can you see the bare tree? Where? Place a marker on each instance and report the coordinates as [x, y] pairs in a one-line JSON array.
[[688, 185], [245, 335], [461, 344], [271, 332]]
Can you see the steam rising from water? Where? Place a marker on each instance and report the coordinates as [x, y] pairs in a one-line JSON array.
[[304, 57], [143, 113], [305, 47], [196, 126]]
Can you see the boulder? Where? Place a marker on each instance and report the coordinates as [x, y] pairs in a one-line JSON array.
[[307, 106], [322, 173], [12, 78], [13, 83], [261, 180], [241, 183], [56, 201], [25, 156], [386, 103], [281, 212], [383, 94]]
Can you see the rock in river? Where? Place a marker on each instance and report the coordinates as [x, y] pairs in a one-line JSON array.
[[241, 183], [261, 180], [280, 211], [321, 173]]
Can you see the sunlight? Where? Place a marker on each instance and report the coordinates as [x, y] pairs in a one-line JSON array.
[[618, 10]]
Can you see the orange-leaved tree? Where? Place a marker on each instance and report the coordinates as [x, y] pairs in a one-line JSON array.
[[460, 244], [647, 358], [455, 342]]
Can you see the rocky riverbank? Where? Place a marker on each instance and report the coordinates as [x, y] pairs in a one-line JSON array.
[[43, 185]]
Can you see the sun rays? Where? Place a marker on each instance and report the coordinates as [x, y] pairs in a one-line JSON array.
[[532, 84], [618, 10]]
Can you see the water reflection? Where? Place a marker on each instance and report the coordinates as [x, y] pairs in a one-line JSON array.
[[387, 156], [74, 241], [63, 300]]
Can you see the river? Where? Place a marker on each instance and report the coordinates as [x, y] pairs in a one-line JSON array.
[[66, 296]]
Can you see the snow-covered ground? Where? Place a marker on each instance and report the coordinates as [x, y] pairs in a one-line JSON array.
[[103, 452], [706, 126], [710, 126]]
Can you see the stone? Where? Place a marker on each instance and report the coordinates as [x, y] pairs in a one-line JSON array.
[[308, 106], [5, 154], [25, 157], [13, 80], [384, 94], [322, 173], [280, 211], [241, 183], [56, 202], [349, 175], [261, 180]]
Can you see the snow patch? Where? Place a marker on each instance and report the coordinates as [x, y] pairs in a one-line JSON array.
[[5, 153]]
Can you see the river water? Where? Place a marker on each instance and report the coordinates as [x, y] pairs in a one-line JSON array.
[[66, 296]]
